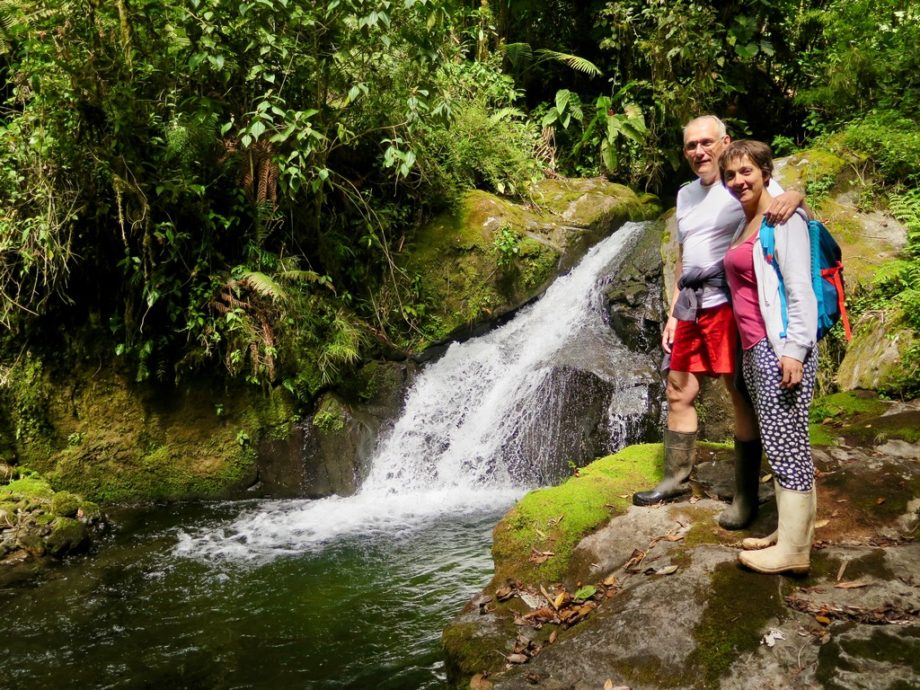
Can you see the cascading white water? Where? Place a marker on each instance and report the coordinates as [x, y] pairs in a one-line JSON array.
[[448, 452]]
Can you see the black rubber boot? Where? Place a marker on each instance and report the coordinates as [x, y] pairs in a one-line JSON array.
[[679, 455], [743, 509]]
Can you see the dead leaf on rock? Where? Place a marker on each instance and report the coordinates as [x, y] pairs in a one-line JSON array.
[[480, 682], [608, 684], [624, 495], [539, 557], [634, 560], [880, 500], [610, 581], [667, 570], [852, 584], [823, 620], [766, 478], [822, 523], [560, 599], [516, 659], [552, 522], [504, 593], [694, 499], [544, 614], [552, 636]]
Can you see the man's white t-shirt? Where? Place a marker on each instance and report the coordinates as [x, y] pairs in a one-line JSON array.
[[707, 218]]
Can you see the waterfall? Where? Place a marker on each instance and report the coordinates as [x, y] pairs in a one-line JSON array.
[[480, 425]]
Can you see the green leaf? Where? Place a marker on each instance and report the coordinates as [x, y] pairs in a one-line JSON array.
[[585, 592]]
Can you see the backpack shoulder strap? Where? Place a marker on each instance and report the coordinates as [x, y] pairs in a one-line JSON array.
[[768, 246]]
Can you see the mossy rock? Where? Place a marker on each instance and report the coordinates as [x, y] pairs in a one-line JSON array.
[[491, 255], [876, 356], [555, 519], [65, 504], [67, 535], [860, 418]]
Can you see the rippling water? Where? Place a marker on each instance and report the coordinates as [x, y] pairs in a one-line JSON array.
[[156, 608]]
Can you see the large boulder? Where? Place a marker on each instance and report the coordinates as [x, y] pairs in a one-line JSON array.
[[490, 255], [589, 589]]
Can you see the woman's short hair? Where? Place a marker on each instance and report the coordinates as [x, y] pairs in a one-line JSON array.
[[758, 152]]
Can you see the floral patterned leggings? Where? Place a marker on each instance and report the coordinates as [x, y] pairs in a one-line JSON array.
[[782, 414]]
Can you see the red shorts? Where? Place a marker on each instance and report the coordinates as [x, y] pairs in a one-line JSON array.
[[707, 345]]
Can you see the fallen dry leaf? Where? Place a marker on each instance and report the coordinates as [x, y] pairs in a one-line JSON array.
[[673, 537], [823, 620], [559, 600], [552, 636], [634, 560], [480, 682], [880, 500], [610, 581], [694, 499], [822, 523], [667, 570], [539, 557], [766, 478], [543, 614], [504, 593], [608, 684], [516, 659], [852, 584], [624, 495]]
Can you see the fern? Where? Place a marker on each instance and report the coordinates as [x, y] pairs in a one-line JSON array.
[[263, 285]]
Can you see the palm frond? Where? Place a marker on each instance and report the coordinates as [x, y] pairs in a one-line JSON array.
[[519, 55], [579, 64]]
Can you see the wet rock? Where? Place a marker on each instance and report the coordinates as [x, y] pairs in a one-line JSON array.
[[329, 452], [634, 301], [852, 622]]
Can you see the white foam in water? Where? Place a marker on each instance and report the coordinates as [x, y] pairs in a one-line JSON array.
[[274, 528], [443, 455]]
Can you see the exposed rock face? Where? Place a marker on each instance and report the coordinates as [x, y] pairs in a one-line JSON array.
[[634, 298], [329, 452], [673, 608]]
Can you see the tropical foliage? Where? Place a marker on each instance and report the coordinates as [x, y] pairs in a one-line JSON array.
[[195, 182]]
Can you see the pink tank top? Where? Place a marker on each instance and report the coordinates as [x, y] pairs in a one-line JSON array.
[[742, 282]]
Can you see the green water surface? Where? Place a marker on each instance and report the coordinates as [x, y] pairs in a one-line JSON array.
[[357, 613]]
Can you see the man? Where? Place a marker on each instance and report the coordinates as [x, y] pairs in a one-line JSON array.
[[700, 334]]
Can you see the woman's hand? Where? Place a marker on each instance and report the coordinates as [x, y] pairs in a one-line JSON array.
[[782, 207], [668, 336], [791, 370]]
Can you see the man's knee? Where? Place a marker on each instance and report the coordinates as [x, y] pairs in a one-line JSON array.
[[682, 389]]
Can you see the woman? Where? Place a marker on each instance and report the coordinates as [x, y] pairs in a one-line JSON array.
[[779, 365]]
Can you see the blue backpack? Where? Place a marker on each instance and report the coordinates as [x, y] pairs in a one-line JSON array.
[[826, 276]]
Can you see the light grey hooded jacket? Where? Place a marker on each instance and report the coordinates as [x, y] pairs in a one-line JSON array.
[[793, 254]]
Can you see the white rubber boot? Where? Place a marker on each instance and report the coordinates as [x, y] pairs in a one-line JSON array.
[[755, 543], [794, 535]]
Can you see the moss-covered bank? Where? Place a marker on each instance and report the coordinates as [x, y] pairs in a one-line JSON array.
[[93, 431]]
